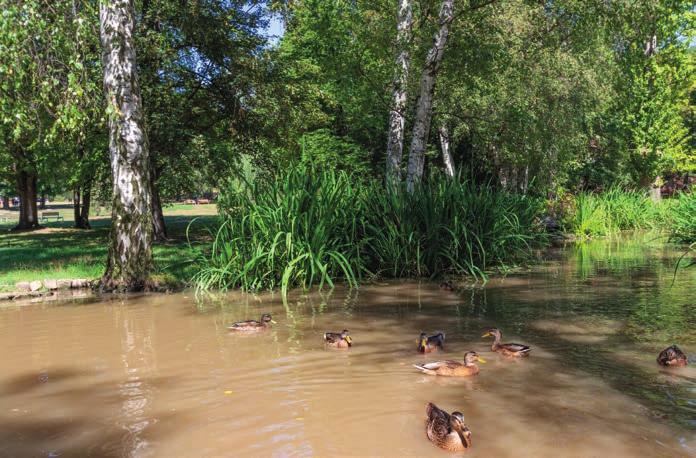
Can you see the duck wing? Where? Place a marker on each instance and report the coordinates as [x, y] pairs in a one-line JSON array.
[[332, 337], [438, 424], [438, 340], [517, 348], [245, 324]]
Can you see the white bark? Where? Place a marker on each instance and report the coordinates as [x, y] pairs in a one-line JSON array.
[[446, 153], [421, 125], [130, 249], [397, 118]]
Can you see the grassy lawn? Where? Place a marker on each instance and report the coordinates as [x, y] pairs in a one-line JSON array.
[[59, 251]]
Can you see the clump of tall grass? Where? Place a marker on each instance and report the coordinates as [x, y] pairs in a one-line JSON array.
[[309, 227], [681, 221], [610, 212], [448, 226], [300, 229]]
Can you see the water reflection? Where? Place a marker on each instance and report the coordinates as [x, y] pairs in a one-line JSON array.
[[161, 376]]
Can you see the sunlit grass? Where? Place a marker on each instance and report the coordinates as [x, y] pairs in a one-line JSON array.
[[309, 227]]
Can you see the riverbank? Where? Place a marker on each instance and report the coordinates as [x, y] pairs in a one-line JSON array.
[[60, 252]]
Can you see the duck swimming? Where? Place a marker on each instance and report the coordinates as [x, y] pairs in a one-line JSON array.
[[672, 356], [453, 368], [507, 349], [447, 431], [433, 343], [253, 325], [338, 339]]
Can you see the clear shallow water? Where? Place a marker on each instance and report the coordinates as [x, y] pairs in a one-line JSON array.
[[161, 376]]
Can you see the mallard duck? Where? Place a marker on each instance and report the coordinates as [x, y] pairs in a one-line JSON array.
[[508, 349], [429, 344], [453, 368], [253, 325], [447, 431], [447, 286], [338, 339], [672, 356]]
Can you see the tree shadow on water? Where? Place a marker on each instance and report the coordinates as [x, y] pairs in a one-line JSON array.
[[72, 412]]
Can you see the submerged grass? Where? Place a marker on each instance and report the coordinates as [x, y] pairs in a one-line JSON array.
[[311, 227]]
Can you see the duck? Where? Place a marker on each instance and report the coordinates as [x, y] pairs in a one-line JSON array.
[[507, 349], [447, 286], [338, 339], [672, 356], [447, 431], [253, 325], [433, 343], [453, 368]]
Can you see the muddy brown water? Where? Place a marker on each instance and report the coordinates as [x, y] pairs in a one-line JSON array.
[[161, 376]]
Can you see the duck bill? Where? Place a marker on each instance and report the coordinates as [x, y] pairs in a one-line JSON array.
[[481, 360], [488, 334]]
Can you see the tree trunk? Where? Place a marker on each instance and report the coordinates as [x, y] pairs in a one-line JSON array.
[[397, 115], [421, 125], [130, 246], [86, 202], [159, 229], [28, 214], [446, 153], [76, 206], [5, 202]]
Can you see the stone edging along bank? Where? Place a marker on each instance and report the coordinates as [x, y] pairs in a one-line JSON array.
[[44, 288]]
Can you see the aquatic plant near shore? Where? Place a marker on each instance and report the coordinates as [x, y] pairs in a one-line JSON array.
[[310, 227], [598, 215], [682, 219]]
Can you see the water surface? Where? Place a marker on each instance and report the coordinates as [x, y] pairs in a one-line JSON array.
[[161, 376]]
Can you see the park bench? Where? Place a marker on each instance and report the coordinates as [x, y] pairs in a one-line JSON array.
[[46, 215], [203, 201]]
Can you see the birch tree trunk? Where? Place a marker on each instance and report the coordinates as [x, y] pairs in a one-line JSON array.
[[397, 118], [421, 125], [159, 228], [446, 153], [130, 245]]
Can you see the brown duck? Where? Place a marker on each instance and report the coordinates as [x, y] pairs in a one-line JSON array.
[[453, 368], [447, 431], [507, 349], [252, 325], [338, 339], [672, 356], [433, 343]]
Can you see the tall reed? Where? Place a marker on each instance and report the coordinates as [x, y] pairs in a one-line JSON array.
[[311, 227], [610, 212], [681, 221]]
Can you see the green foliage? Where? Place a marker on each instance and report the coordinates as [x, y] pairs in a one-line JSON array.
[[323, 149], [312, 226], [448, 227], [604, 214], [300, 229], [681, 221]]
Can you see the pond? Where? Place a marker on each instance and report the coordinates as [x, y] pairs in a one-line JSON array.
[[161, 375]]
